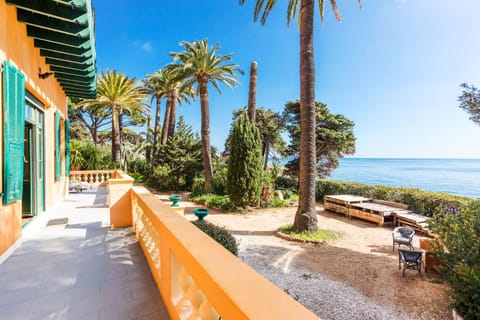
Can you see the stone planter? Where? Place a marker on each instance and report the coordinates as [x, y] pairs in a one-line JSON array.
[[200, 213], [175, 200]]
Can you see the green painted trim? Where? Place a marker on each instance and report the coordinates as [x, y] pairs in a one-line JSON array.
[[58, 47], [27, 223], [62, 56], [59, 38], [87, 72], [73, 78], [53, 9], [65, 64], [43, 21]]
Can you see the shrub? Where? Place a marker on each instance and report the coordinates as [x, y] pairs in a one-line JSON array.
[[219, 234], [220, 180], [419, 201], [137, 176], [215, 201], [458, 250], [276, 202], [137, 166], [286, 183], [198, 187]]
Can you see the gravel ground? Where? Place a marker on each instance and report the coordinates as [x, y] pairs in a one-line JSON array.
[[353, 277], [327, 298]]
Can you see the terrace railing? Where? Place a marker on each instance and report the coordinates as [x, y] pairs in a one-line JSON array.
[[197, 278], [95, 177]]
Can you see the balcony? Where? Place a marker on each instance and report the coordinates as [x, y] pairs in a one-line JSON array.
[[132, 258]]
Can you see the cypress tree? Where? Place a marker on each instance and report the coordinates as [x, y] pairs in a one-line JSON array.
[[244, 178]]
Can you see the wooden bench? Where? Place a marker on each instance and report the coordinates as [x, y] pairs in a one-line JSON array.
[[373, 211], [341, 203], [414, 220]]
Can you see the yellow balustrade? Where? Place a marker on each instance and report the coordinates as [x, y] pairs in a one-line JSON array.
[[95, 177], [197, 277]]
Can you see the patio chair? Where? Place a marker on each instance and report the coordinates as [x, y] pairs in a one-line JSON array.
[[411, 259], [74, 185], [403, 236]]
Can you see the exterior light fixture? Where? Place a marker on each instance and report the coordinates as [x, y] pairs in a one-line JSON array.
[[44, 75]]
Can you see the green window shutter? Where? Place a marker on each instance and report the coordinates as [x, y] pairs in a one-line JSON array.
[[58, 164], [14, 131], [67, 147]]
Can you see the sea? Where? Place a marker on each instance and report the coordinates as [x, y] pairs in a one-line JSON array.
[[455, 176]]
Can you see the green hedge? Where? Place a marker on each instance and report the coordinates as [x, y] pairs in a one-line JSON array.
[[419, 201], [219, 234]]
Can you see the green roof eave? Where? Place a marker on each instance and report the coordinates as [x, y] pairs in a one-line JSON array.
[[49, 23], [59, 38], [64, 30], [53, 9], [90, 72], [77, 51]]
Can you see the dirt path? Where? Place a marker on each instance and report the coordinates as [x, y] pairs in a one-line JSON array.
[[361, 259]]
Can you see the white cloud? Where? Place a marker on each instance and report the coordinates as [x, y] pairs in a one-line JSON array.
[[144, 45], [147, 46]]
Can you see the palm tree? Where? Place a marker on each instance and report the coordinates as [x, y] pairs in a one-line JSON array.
[[305, 218], [178, 91], [203, 65], [166, 83], [119, 93], [155, 85]]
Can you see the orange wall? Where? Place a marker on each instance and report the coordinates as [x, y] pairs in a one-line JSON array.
[[10, 225], [19, 50]]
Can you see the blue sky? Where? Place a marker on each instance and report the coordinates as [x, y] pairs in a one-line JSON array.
[[394, 67]]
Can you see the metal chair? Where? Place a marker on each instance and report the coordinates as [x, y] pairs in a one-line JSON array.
[[403, 236], [411, 259]]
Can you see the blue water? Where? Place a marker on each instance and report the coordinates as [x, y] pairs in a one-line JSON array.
[[455, 176]]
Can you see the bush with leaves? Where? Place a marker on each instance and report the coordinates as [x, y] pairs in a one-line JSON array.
[[86, 156], [457, 247], [245, 165], [215, 201], [180, 158], [219, 234]]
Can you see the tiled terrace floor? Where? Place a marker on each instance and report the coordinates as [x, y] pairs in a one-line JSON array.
[[81, 270]]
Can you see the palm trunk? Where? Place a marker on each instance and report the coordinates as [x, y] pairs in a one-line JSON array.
[[166, 122], [156, 128], [173, 96], [252, 92], [94, 132], [305, 217], [205, 132], [116, 146], [148, 149]]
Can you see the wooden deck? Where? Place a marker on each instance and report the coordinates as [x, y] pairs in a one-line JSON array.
[[376, 211]]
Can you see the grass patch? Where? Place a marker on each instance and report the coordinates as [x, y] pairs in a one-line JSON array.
[[320, 235], [215, 201]]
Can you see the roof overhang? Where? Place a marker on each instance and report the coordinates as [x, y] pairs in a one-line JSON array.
[[64, 30]]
